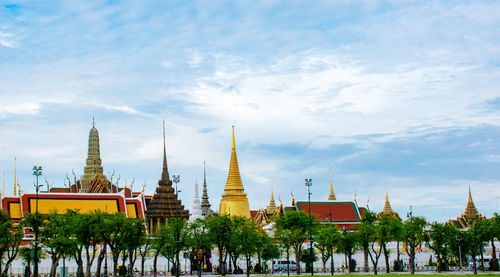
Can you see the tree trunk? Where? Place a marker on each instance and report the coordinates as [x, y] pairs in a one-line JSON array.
[[115, 265], [79, 262], [482, 259], [365, 254], [155, 260], [493, 264], [248, 265], [143, 261], [386, 255], [412, 260], [398, 257], [55, 264], [287, 261], [101, 257], [332, 264], [221, 264], [474, 265], [349, 256]]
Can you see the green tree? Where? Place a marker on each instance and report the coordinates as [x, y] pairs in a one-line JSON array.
[[283, 236], [112, 227], [366, 235], [494, 233], [173, 236], [413, 235], [458, 244], [267, 250], [477, 237], [220, 231], [378, 238], [327, 236], [298, 225], [234, 247], [198, 240], [438, 240], [146, 246], [133, 236], [308, 259], [10, 239], [248, 237], [348, 243]]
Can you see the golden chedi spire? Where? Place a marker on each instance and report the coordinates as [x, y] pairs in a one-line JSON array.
[[234, 200], [93, 178], [470, 210], [331, 196]]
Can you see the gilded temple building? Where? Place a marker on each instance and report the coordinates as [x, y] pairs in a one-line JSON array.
[[234, 201], [165, 204], [387, 210], [470, 214], [93, 191]]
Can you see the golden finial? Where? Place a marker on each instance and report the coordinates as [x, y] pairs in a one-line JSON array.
[[331, 196], [234, 144], [19, 187]]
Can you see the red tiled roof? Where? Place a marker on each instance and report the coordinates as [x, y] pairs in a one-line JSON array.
[[340, 211]]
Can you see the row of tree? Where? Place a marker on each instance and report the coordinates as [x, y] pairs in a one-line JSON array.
[[87, 237]]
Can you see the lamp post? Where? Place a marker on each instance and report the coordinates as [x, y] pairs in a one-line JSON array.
[[308, 185], [460, 251], [37, 171], [176, 179]]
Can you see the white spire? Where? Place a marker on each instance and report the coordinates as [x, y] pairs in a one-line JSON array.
[[196, 209]]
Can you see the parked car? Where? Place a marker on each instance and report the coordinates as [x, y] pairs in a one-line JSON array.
[[283, 266]]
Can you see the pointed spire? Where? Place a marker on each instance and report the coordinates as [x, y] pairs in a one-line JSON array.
[[164, 174], [271, 208], [293, 199], [387, 206], [331, 196], [93, 169], [205, 204], [470, 210], [233, 178], [93, 122]]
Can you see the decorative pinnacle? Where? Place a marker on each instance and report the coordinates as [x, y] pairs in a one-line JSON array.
[[164, 174], [234, 144]]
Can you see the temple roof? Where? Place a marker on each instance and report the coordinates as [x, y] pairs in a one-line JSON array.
[[233, 178], [165, 203], [338, 211], [470, 210], [387, 210]]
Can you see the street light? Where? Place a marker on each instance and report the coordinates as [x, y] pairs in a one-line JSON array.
[[308, 185], [37, 171], [176, 179]]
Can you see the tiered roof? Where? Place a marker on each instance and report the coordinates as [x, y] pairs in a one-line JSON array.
[[205, 203], [165, 203]]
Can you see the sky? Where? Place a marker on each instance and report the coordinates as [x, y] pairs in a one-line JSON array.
[[400, 97]]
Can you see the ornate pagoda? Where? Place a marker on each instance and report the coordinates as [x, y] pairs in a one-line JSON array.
[[164, 204], [234, 201], [387, 210], [93, 179], [331, 196], [470, 214]]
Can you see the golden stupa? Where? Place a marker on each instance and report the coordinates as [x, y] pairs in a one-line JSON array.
[[234, 201]]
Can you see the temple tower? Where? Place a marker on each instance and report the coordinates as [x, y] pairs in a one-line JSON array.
[[387, 210], [470, 210], [205, 204], [196, 208], [93, 178], [234, 201], [271, 208], [164, 204]]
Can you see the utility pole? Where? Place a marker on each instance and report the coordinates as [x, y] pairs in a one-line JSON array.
[[176, 179], [37, 171], [308, 185]]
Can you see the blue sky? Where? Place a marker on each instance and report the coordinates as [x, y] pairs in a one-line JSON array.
[[400, 96]]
